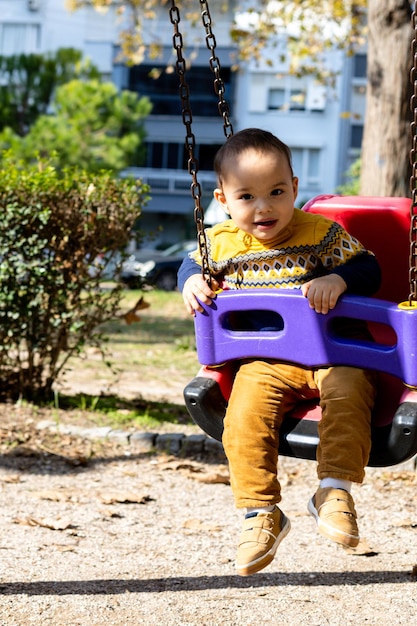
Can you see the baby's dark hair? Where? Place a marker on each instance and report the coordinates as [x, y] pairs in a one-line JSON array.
[[249, 138]]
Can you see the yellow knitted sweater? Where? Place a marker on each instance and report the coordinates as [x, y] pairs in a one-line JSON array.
[[310, 246]]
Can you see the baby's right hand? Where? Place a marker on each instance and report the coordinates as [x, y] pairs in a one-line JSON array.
[[196, 290]]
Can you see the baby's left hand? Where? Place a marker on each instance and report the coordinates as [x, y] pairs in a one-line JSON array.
[[324, 292]]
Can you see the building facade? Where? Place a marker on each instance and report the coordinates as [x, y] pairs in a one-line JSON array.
[[322, 126]]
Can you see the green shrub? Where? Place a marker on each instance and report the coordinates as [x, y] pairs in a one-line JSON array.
[[52, 227], [352, 185]]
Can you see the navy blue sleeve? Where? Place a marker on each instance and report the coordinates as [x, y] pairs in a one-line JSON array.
[[188, 268], [362, 274]]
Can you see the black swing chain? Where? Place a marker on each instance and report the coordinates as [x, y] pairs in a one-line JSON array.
[[187, 117], [413, 161], [215, 67]]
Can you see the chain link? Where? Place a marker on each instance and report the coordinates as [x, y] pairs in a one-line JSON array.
[[215, 67], [413, 161], [190, 145]]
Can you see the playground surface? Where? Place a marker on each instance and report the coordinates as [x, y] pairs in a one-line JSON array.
[[97, 533]]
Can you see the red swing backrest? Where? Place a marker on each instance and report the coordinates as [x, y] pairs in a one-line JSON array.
[[382, 225]]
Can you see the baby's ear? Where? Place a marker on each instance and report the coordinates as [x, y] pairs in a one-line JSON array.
[[220, 198]]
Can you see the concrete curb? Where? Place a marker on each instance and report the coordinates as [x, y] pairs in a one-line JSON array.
[[177, 444]]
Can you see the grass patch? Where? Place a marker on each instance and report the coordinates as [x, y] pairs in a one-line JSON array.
[[118, 413], [164, 337], [156, 354]]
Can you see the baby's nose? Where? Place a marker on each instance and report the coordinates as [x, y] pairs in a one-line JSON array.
[[263, 204]]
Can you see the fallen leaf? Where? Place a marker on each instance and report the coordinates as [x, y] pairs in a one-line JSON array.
[[65, 548], [56, 524], [132, 473], [197, 524], [405, 476], [110, 513], [175, 464], [12, 478], [54, 495], [213, 478], [131, 316], [406, 523], [125, 498]]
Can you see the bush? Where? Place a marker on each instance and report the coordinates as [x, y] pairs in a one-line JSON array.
[[52, 227], [352, 185]]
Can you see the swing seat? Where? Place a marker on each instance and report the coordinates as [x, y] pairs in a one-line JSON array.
[[304, 337]]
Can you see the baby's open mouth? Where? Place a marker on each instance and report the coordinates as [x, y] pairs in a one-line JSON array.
[[266, 223]]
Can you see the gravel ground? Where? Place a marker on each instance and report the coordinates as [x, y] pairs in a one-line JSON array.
[[95, 533]]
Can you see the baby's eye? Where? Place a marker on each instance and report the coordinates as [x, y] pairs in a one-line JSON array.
[[276, 192], [246, 196]]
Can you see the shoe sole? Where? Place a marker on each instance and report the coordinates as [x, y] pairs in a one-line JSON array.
[[268, 557], [344, 539]]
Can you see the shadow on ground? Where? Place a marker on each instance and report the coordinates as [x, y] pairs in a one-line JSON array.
[[198, 583]]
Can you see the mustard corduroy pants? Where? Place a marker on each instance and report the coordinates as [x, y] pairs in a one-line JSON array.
[[263, 392]]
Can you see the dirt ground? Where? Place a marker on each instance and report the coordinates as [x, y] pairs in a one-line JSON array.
[[96, 533]]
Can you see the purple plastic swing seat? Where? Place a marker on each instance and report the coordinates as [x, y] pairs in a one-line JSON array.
[[302, 336], [307, 337]]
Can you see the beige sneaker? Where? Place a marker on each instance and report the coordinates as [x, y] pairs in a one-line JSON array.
[[261, 535], [335, 515]]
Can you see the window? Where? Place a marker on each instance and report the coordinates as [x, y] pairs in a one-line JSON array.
[[356, 134], [160, 155], [173, 156], [306, 164], [154, 154], [297, 100], [19, 38], [359, 66], [162, 89], [294, 94], [313, 164], [297, 161], [276, 99]]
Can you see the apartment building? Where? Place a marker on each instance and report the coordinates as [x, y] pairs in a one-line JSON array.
[[322, 126]]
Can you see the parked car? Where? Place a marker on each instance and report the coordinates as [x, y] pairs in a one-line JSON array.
[[155, 268]]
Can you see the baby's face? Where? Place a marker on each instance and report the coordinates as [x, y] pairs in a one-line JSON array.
[[258, 192]]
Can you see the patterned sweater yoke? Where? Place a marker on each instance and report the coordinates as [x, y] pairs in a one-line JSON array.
[[310, 246]]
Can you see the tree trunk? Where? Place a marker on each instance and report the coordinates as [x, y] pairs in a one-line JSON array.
[[387, 137]]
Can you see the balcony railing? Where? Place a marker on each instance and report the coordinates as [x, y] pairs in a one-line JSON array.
[[170, 181]]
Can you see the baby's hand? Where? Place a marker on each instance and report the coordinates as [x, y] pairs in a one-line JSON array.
[[196, 289], [324, 292]]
